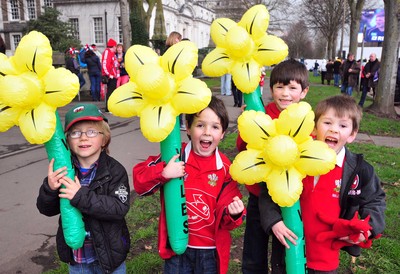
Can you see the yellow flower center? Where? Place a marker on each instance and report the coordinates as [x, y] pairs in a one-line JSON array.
[[282, 150]]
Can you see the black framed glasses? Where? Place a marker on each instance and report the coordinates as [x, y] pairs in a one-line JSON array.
[[90, 133]]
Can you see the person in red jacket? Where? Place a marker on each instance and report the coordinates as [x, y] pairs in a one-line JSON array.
[[109, 68], [212, 197], [350, 191], [288, 84]]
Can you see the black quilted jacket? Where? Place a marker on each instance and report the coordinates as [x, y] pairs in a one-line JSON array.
[[103, 205]]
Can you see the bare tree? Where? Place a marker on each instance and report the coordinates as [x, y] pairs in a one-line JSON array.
[[298, 41], [141, 18], [384, 99], [325, 17], [125, 24], [356, 7], [159, 34]]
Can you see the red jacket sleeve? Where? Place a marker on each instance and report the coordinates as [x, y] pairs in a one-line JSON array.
[[240, 144], [147, 177]]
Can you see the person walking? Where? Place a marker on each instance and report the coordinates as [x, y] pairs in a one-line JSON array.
[[226, 88], [323, 71], [329, 72], [371, 77], [109, 68], [336, 72], [350, 69], [94, 71], [123, 74]]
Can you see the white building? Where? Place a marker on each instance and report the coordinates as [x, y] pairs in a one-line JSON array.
[[192, 20], [95, 21]]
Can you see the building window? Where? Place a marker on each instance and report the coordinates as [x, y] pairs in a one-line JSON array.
[[75, 27], [120, 30], [31, 7], [16, 38], [98, 30], [14, 10], [48, 3]]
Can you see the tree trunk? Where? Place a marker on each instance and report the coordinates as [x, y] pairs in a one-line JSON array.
[[159, 23], [125, 24], [355, 17], [384, 99]]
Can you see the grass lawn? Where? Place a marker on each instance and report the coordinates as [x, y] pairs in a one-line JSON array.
[[381, 258]]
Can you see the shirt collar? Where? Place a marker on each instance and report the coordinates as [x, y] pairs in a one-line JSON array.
[[218, 160], [340, 157]]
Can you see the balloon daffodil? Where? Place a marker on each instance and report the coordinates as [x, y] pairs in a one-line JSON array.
[[31, 89], [160, 88], [281, 152], [243, 48]]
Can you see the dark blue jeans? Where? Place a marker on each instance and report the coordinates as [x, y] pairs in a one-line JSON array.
[[364, 93], [82, 80], [111, 86], [95, 86], [193, 261], [255, 245], [94, 268]]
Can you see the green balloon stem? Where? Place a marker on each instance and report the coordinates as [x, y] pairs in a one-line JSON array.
[[254, 101], [174, 195], [71, 217], [295, 256]]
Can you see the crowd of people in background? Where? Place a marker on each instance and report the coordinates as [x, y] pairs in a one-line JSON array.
[[350, 75], [106, 70]]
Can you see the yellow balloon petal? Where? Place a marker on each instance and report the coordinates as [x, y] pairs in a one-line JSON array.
[[217, 63], [180, 59], [256, 128], [8, 117], [6, 66], [192, 96], [34, 54], [297, 121], [249, 167], [219, 29], [126, 101], [38, 125], [282, 150], [136, 56], [153, 82], [157, 122], [246, 75], [239, 44], [255, 20], [22, 91], [316, 158], [271, 50], [285, 185], [61, 87]]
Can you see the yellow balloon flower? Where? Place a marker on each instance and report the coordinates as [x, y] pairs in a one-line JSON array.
[[281, 152], [31, 89], [160, 88], [243, 48]]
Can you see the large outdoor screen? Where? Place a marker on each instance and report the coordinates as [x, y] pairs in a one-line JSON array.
[[374, 20]]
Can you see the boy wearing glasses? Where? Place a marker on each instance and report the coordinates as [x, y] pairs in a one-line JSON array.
[[100, 191]]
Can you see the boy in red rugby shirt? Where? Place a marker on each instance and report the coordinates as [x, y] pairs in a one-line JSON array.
[[351, 186], [288, 84], [212, 197]]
